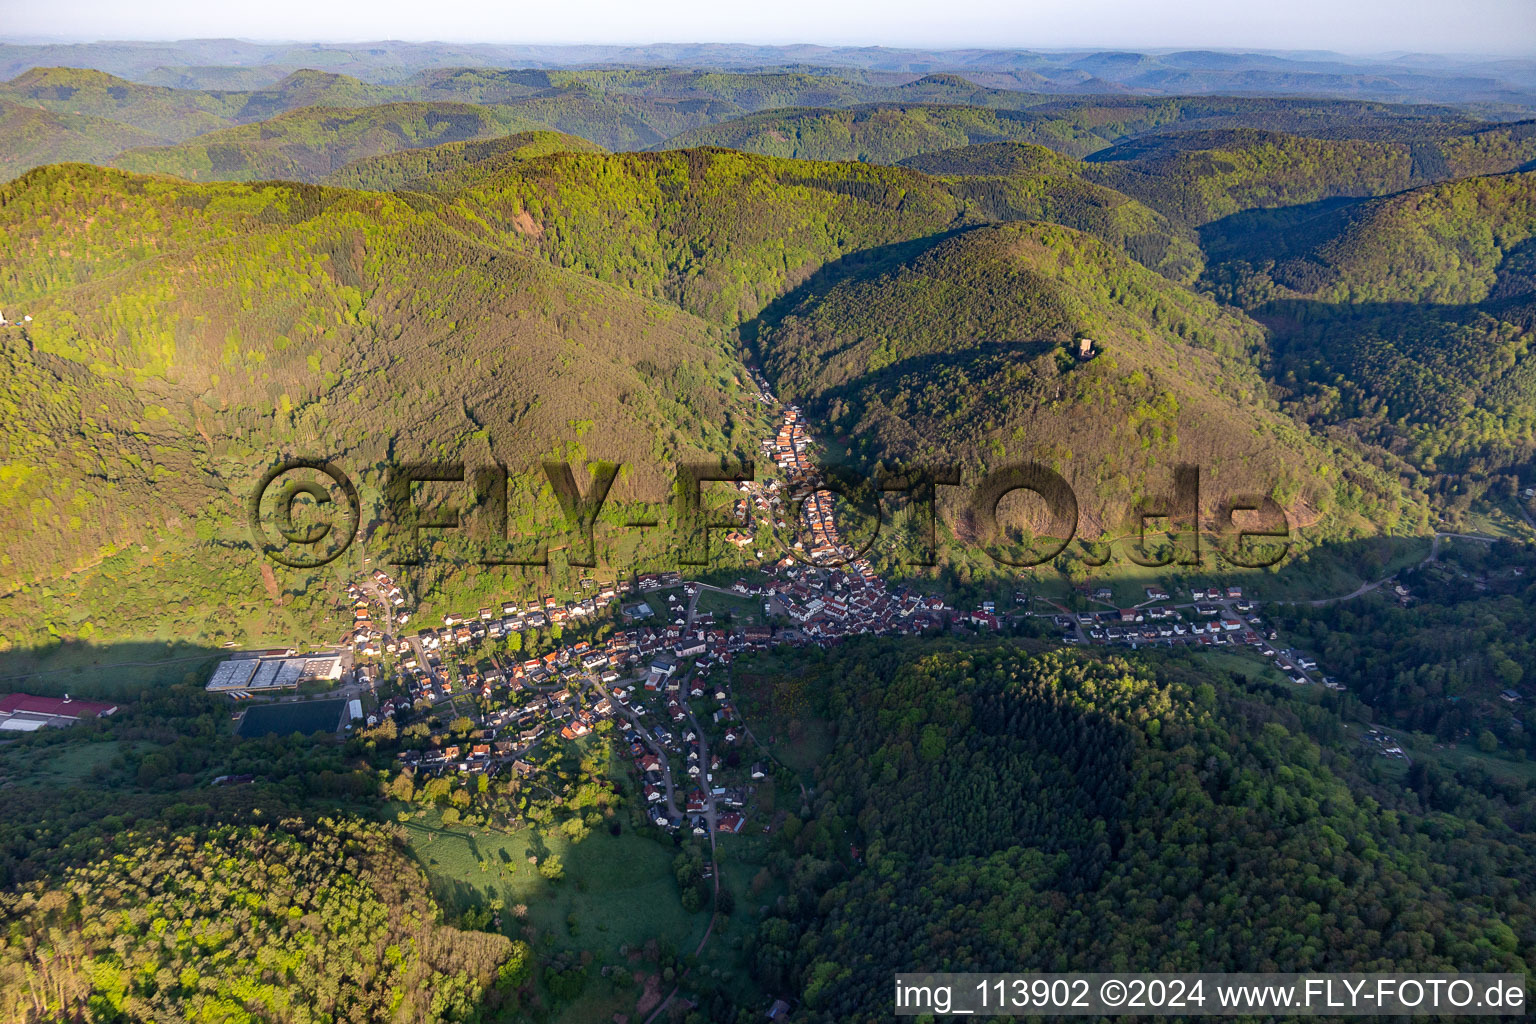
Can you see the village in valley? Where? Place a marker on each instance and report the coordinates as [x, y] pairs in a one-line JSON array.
[[610, 700], [643, 659], [646, 659]]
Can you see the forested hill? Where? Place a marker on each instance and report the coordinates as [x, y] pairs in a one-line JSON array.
[[342, 321], [884, 134], [302, 318], [967, 350], [310, 143], [1199, 177], [282, 921], [1084, 126], [685, 224], [1409, 78], [1066, 812], [35, 136], [719, 233], [450, 166], [1407, 321], [1442, 243], [811, 115], [163, 112]]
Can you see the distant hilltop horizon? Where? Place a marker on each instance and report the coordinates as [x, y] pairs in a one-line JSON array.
[[1400, 76]]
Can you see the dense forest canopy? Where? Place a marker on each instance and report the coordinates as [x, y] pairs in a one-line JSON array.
[[1056, 813]]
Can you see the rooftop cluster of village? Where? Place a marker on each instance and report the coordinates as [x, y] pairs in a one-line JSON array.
[[655, 669], [1213, 617], [639, 652]]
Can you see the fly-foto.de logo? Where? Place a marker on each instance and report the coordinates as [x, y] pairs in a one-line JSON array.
[[305, 513]]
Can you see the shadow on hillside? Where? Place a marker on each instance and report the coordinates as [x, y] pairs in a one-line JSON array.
[[86, 669], [1274, 233], [864, 263], [886, 377], [1415, 370]]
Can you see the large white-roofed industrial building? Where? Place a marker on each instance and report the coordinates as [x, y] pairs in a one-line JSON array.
[[266, 674]]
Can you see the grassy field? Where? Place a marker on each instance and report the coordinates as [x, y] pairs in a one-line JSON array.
[[617, 890], [741, 857], [1324, 572], [1500, 520], [739, 611], [1248, 663], [55, 765], [1456, 756], [105, 670]]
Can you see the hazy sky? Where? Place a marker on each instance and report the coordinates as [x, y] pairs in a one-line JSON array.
[[1354, 26]]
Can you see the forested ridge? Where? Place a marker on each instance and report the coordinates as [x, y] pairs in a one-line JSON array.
[[444, 167], [1061, 812], [284, 333], [309, 143], [968, 351], [280, 921], [1406, 321], [884, 295]]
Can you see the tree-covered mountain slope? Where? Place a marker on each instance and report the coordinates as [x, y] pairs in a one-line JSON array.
[[1080, 126], [1405, 322], [310, 88], [215, 77], [1199, 177], [723, 233], [34, 137], [883, 133], [286, 921], [967, 351], [995, 160], [1006, 181], [779, 112], [717, 232], [1442, 243], [988, 810], [621, 122], [163, 112], [307, 144], [1450, 389], [451, 165], [765, 89], [301, 320], [1115, 118]]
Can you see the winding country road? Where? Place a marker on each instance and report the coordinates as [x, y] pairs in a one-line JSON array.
[[1366, 588]]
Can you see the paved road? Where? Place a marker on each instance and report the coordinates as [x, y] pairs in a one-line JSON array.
[[710, 816], [1366, 588], [644, 733], [1520, 507]]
